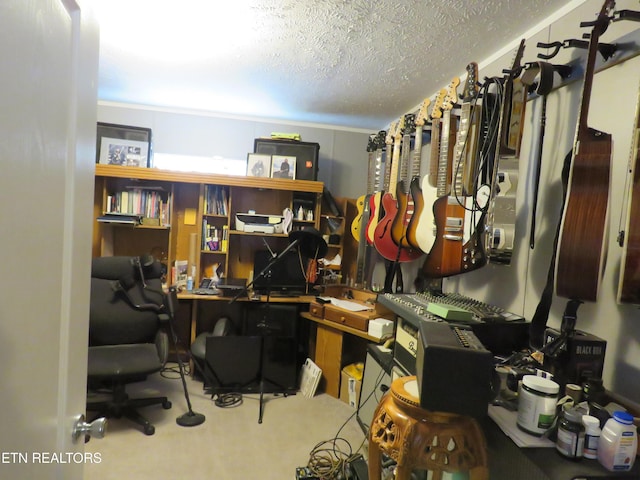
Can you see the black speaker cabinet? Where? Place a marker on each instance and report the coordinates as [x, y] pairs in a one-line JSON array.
[[275, 325], [306, 154]]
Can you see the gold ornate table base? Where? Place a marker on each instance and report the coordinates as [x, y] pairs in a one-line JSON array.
[[415, 438]]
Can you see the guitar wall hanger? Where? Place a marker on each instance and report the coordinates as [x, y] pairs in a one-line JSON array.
[[606, 49], [626, 15]]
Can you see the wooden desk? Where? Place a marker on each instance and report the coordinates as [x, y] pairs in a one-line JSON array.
[[329, 350], [194, 299]]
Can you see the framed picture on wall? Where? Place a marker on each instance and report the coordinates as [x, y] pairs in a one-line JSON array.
[[258, 165], [123, 145], [283, 166]]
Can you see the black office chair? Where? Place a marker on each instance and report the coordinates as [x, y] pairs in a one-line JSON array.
[[126, 339]]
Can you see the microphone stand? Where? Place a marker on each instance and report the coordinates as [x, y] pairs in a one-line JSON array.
[[191, 418]]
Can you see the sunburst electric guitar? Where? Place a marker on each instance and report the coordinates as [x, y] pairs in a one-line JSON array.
[[404, 199], [376, 211], [458, 247]]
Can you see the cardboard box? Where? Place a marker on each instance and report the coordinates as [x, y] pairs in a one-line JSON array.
[[350, 383]]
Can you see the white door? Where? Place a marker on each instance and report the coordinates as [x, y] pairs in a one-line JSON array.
[[48, 75]]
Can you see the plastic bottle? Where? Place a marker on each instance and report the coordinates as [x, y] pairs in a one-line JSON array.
[[570, 442], [537, 398], [591, 436], [189, 283], [618, 443]]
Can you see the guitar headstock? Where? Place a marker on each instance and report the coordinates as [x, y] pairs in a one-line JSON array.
[[452, 94], [371, 143], [601, 23], [391, 133], [397, 134], [421, 116], [436, 111], [380, 139], [514, 71], [409, 124], [471, 84]]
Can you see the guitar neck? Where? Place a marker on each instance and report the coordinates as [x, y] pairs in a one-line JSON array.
[[443, 159], [395, 161], [417, 153]]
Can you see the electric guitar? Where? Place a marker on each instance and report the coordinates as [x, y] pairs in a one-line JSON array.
[[375, 201], [404, 198], [414, 187], [382, 239], [434, 184], [502, 211], [580, 255], [458, 216], [375, 162]]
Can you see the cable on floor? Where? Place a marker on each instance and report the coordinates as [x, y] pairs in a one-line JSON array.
[[228, 400]]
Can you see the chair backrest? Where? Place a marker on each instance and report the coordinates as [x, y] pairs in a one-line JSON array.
[[122, 310]]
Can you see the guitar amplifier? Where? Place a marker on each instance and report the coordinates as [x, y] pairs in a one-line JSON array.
[[453, 370], [306, 154]]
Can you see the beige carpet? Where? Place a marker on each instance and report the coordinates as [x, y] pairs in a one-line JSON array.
[[230, 444]]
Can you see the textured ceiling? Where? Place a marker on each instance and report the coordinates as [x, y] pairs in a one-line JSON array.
[[353, 63]]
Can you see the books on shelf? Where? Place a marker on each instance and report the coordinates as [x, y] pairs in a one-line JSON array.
[[142, 202], [216, 200], [122, 218]]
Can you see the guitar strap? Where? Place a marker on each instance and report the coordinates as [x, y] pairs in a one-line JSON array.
[[540, 317], [542, 71]]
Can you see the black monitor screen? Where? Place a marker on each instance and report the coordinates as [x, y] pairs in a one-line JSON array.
[[285, 277]]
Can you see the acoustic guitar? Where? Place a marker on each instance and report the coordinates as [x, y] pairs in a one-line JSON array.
[[629, 238], [582, 239]]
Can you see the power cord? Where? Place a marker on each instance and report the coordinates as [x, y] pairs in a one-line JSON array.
[[228, 400]]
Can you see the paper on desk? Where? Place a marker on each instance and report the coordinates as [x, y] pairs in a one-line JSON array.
[[347, 305], [506, 420]]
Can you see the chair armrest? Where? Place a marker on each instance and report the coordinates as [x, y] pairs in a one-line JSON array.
[[164, 318]]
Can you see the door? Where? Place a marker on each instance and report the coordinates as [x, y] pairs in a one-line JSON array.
[[48, 60]]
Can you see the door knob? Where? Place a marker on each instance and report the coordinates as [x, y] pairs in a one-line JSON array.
[[96, 429]]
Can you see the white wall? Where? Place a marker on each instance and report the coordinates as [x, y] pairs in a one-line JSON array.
[[343, 160], [612, 109], [516, 287]]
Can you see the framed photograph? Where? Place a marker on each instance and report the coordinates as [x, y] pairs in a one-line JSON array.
[[136, 142], [283, 166], [128, 153], [258, 165]]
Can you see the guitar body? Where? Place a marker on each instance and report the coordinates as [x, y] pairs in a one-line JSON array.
[[382, 239], [356, 224], [403, 216], [418, 208], [580, 255], [450, 254], [425, 229], [375, 205]]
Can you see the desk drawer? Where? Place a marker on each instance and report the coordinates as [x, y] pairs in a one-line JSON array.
[[316, 309], [358, 320]]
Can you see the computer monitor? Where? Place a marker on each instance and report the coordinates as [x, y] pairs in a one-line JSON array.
[[285, 277]]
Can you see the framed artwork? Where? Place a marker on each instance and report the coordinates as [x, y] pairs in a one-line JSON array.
[[283, 166], [258, 165], [128, 153], [129, 145]]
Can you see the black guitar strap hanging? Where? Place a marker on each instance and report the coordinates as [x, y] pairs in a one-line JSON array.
[[538, 76]]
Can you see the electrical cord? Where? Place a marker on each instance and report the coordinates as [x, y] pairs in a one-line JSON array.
[[228, 400]]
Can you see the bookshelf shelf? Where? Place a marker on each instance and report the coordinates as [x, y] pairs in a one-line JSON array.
[[197, 204]]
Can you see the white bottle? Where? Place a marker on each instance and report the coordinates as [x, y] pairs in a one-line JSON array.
[[591, 436], [618, 443]]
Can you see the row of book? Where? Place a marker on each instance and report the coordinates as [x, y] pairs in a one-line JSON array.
[[214, 239], [216, 200], [144, 203]]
